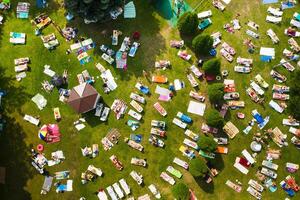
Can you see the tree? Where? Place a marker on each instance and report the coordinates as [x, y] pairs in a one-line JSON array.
[[202, 44], [216, 93], [212, 67], [207, 144], [213, 118], [181, 191], [294, 101], [198, 168], [97, 10], [187, 23]]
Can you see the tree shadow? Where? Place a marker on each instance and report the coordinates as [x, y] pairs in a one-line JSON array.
[[13, 156], [164, 8], [151, 40], [206, 187]]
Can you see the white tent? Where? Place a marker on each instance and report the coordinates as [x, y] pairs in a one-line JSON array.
[[264, 51], [196, 108]]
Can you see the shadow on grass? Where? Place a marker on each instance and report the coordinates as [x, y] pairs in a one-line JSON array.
[[206, 187], [152, 42], [13, 156]]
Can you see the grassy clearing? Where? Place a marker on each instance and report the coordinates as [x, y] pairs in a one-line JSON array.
[[24, 183]]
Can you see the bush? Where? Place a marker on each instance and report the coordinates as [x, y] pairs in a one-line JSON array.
[[187, 23], [202, 44], [216, 93], [198, 168], [213, 118], [212, 67], [207, 144], [181, 192], [294, 101]]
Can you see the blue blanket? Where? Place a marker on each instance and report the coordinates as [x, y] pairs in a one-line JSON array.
[[269, 1]]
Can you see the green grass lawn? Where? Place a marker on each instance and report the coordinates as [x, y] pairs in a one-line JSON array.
[[23, 181]]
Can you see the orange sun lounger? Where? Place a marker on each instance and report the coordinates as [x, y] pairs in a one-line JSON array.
[[159, 79], [222, 150]]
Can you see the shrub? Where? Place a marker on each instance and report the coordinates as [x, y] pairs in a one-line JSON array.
[[181, 192], [202, 44], [294, 101], [187, 23], [198, 168], [212, 67], [213, 118], [216, 93], [207, 144]]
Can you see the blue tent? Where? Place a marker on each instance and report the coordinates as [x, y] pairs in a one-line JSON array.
[[41, 3]]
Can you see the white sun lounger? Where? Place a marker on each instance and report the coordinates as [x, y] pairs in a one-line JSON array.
[[295, 23], [273, 36], [276, 106], [269, 164], [111, 193], [134, 114], [181, 163], [272, 19], [275, 11], [118, 190], [32, 120], [241, 168], [287, 122], [179, 123], [204, 14], [247, 155], [257, 88], [124, 186], [102, 195]]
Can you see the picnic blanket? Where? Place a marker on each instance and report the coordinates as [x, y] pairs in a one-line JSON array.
[[196, 108], [269, 1]]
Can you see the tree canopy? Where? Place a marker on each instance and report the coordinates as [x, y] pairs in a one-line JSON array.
[[207, 144], [202, 44], [187, 23], [215, 93], [213, 118], [212, 67], [181, 192], [198, 168], [294, 101], [97, 10]]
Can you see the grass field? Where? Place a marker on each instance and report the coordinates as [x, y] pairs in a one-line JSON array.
[[23, 182]]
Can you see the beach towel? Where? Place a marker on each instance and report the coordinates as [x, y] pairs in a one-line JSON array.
[[269, 1]]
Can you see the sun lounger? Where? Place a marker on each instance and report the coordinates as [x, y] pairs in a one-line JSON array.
[[196, 71], [294, 45], [288, 122], [179, 123], [275, 11], [118, 190], [276, 106], [253, 95], [133, 49], [236, 104], [241, 168], [134, 114], [137, 177], [269, 164], [291, 32], [47, 184], [136, 106], [107, 58], [32, 120], [254, 193], [162, 64], [181, 163], [247, 155], [222, 150], [184, 55], [252, 34], [125, 186], [280, 96], [259, 79], [253, 25], [287, 53], [192, 80], [116, 162], [156, 141], [104, 114], [197, 96], [226, 55], [254, 184], [292, 167], [273, 36], [204, 14], [21, 61], [233, 186], [48, 71], [295, 23], [184, 118], [272, 19], [154, 191], [277, 76], [221, 140], [228, 48], [217, 38], [102, 195], [167, 178], [191, 144], [242, 69], [177, 43], [159, 79], [191, 135], [204, 24], [187, 152], [142, 88], [174, 171], [138, 162], [236, 24], [268, 172], [207, 129], [257, 88], [137, 98], [218, 5], [111, 193], [160, 109], [158, 132], [207, 154], [287, 65]]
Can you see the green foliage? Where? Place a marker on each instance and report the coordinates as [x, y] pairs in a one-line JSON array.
[[215, 93], [198, 168], [294, 102], [187, 23], [202, 44], [207, 144], [181, 191], [213, 118], [212, 67]]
